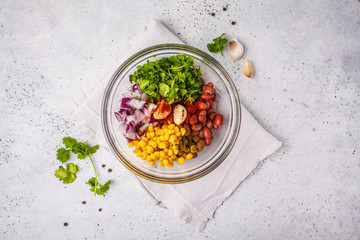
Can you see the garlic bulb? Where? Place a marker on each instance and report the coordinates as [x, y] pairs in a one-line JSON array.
[[248, 69], [236, 49]]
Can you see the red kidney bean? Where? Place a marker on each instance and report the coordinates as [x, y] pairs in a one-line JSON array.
[[208, 90], [219, 120], [195, 133], [209, 141], [194, 155], [196, 127], [204, 123], [211, 102], [211, 110], [210, 84], [212, 116], [207, 133], [214, 98], [202, 116], [191, 109], [209, 124], [188, 130], [206, 96], [208, 104], [216, 126], [201, 144], [193, 120], [200, 105], [201, 134]]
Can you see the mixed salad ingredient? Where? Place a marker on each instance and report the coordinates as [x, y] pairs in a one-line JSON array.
[[172, 78], [169, 114]]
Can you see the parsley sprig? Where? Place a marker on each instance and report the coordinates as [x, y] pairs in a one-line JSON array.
[[82, 151], [218, 44]]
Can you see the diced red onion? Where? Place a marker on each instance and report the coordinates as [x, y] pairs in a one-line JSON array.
[[123, 104], [136, 104]]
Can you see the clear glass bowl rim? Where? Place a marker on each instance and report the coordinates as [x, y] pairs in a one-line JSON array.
[[122, 68]]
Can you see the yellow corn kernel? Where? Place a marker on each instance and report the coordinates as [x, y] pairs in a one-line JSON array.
[[153, 157], [177, 129], [193, 149], [170, 152], [151, 128], [173, 157], [181, 160], [178, 134], [131, 144], [166, 150], [189, 155], [157, 154], [162, 145], [150, 149], [152, 143], [142, 143], [135, 142], [162, 154], [176, 152], [183, 131], [166, 137], [143, 157], [170, 164], [145, 139], [138, 154], [161, 163], [148, 135], [172, 139], [165, 162], [171, 126], [151, 162]]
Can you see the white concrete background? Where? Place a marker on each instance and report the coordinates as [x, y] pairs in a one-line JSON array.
[[306, 92]]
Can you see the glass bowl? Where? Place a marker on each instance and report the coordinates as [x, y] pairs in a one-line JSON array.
[[227, 103]]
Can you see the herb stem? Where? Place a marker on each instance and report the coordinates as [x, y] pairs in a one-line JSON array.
[[96, 178]]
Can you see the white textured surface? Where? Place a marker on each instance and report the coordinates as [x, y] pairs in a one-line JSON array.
[[306, 91]]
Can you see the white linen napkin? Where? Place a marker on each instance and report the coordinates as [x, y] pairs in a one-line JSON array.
[[196, 201]]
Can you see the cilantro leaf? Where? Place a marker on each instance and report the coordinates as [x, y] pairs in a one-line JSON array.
[[218, 44], [67, 175], [93, 149], [97, 187], [173, 78], [81, 149], [62, 154], [72, 168], [69, 142]]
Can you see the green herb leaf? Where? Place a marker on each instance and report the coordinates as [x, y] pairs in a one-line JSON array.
[[97, 187], [83, 151], [67, 175], [218, 44], [62, 154], [69, 142], [173, 78]]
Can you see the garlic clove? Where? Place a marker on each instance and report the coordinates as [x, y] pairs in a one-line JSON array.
[[236, 49], [248, 69], [179, 114]]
